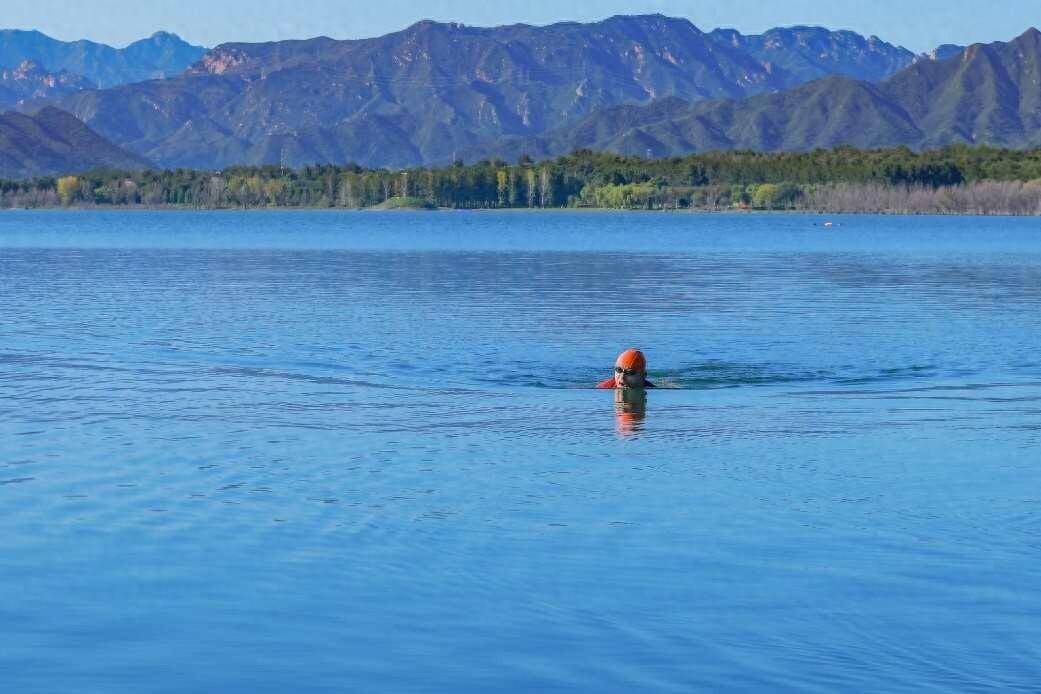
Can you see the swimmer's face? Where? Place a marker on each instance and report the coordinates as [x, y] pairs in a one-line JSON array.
[[629, 378]]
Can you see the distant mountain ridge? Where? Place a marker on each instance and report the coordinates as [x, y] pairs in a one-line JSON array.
[[808, 53], [945, 51], [987, 93], [54, 142], [161, 55], [424, 94]]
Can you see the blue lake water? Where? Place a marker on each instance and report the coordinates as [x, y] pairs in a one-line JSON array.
[[328, 452]]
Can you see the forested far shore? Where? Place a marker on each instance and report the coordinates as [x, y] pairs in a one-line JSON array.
[[952, 180]]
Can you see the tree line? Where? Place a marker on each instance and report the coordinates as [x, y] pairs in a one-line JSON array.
[[714, 180]]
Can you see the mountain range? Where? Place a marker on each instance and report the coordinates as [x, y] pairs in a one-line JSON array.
[[987, 93], [423, 94], [633, 84], [161, 55]]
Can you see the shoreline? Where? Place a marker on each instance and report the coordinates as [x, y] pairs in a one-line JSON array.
[[950, 181], [79, 209]]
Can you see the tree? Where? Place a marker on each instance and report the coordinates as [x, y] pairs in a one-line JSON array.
[[765, 196], [515, 192], [275, 191], [68, 186], [545, 187], [739, 195], [502, 179], [533, 191]]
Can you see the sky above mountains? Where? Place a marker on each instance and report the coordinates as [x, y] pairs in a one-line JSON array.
[[919, 25]]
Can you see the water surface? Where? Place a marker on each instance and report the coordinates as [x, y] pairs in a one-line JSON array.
[[352, 451]]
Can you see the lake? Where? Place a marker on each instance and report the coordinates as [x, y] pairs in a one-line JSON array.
[[349, 451]]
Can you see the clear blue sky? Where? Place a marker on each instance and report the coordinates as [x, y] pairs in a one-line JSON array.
[[917, 24]]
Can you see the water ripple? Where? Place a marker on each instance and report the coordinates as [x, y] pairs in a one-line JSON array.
[[356, 464]]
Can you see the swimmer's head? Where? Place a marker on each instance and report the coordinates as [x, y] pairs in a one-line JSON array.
[[630, 369]]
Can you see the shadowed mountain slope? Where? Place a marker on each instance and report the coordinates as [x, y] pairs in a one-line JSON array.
[[54, 142]]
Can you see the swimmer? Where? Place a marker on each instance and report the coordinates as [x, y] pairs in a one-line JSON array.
[[630, 371]]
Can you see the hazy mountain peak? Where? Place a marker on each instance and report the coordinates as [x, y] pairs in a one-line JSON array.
[[427, 25], [162, 39], [1031, 38], [648, 19], [946, 51], [161, 55]]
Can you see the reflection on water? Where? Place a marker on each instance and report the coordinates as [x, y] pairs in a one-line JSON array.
[[630, 410], [284, 452]]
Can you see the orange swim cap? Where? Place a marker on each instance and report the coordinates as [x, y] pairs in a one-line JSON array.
[[632, 359]]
